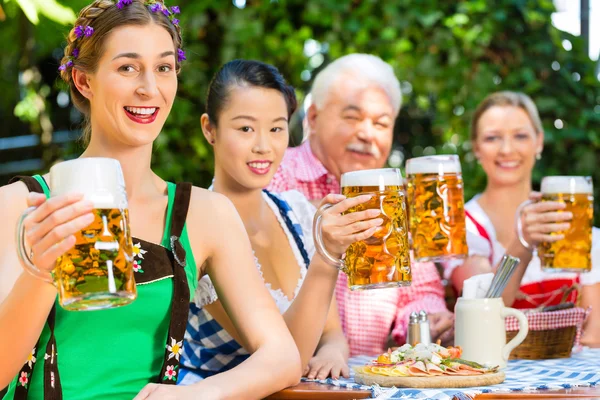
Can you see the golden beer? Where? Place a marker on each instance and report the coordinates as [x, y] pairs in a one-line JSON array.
[[97, 273], [382, 260], [437, 214], [99, 263], [573, 253]]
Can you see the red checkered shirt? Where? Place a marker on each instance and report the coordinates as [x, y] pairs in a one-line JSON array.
[[302, 171], [368, 317]]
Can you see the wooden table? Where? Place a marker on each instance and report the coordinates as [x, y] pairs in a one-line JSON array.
[[313, 391], [317, 391]]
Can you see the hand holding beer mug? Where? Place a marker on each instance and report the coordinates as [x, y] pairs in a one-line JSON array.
[[543, 222], [437, 213], [97, 272], [373, 258]]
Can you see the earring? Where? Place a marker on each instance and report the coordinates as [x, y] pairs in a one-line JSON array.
[[538, 156], [212, 141]]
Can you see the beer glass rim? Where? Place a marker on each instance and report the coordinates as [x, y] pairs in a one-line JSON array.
[[567, 176], [444, 159], [559, 179], [435, 156], [99, 179], [371, 172]]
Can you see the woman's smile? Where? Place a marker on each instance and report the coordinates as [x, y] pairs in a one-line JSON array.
[[260, 167], [142, 115]]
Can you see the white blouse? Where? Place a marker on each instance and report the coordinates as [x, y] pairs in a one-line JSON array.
[[302, 212]]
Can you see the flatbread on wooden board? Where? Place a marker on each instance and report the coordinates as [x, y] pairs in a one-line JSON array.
[[454, 381]]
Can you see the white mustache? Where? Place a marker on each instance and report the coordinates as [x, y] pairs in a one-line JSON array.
[[364, 148]]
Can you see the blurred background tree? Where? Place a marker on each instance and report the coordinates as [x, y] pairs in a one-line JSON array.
[[447, 55]]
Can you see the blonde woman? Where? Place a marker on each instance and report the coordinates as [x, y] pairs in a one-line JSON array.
[[508, 137]]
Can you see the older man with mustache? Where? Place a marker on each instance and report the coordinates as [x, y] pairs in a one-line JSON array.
[[350, 122], [349, 126]]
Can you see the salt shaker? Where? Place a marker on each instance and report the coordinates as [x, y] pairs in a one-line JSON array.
[[418, 329], [424, 327]]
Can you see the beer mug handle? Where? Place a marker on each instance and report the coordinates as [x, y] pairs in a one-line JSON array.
[[523, 330], [22, 252], [336, 262], [519, 224]]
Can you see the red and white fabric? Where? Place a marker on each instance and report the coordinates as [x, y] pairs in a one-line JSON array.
[[544, 321], [369, 317], [301, 170], [539, 287]]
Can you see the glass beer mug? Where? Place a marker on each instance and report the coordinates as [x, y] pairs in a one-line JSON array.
[[437, 212], [573, 253], [382, 260], [97, 273]]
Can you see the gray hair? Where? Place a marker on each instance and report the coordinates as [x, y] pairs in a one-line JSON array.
[[363, 67]]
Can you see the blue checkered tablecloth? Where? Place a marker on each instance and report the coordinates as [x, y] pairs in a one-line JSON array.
[[581, 370]]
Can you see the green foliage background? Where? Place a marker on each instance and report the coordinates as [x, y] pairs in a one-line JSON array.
[[448, 55]]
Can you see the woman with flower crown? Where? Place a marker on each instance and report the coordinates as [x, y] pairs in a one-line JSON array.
[[121, 63]]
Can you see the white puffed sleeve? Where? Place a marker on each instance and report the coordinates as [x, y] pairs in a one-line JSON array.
[[205, 292], [593, 277]]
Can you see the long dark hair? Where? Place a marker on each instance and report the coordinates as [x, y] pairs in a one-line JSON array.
[[245, 73]]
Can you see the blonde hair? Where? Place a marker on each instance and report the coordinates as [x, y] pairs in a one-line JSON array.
[[104, 16], [361, 67], [503, 99]]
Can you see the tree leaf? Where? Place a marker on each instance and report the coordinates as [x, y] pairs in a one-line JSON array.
[[30, 10], [430, 19], [55, 11]]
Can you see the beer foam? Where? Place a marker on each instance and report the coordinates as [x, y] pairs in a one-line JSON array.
[[449, 164], [567, 184], [100, 180], [373, 177]]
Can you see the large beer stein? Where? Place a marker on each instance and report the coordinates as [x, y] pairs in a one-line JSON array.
[[437, 213], [97, 273], [382, 260], [573, 253]]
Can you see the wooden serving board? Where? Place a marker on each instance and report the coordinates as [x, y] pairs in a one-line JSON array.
[[445, 381]]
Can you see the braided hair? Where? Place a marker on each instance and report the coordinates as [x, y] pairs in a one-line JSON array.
[[83, 52]]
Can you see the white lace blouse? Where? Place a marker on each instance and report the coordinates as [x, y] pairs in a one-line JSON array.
[[302, 212], [534, 273]]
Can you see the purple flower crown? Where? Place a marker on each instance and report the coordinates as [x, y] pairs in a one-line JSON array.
[[153, 5], [80, 32], [169, 12]]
